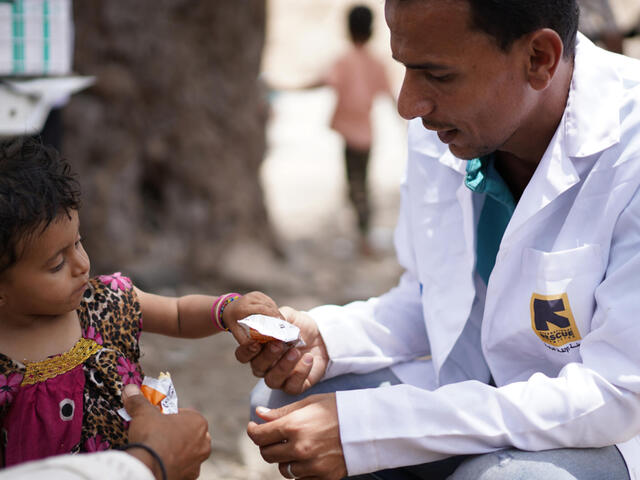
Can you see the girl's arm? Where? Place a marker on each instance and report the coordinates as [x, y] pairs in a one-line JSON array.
[[190, 316]]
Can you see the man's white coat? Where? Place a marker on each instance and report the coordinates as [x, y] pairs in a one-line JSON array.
[[558, 325]]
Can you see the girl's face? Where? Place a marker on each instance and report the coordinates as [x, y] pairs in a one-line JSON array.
[[50, 276]]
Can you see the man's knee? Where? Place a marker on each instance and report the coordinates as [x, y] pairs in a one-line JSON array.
[[259, 398], [560, 464], [263, 396], [502, 465]]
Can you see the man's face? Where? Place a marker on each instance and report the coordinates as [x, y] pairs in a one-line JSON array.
[[457, 79]]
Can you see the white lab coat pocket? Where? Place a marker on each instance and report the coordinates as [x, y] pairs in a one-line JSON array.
[[561, 285], [541, 307], [562, 265]]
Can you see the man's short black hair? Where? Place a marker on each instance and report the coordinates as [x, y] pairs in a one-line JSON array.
[[360, 18], [36, 186], [509, 20]]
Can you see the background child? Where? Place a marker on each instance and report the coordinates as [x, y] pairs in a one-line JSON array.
[[357, 77], [69, 342]]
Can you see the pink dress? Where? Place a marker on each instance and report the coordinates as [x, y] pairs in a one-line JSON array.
[[69, 402]]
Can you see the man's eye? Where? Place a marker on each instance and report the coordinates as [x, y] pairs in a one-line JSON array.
[[441, 78]]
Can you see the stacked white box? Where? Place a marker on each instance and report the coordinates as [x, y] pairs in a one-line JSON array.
[[36, 37]]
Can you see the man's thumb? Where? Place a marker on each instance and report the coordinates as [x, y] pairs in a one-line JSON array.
[[269, 414], [134, 401]]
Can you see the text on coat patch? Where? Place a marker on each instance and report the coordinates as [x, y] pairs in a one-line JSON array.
[[553, 322]]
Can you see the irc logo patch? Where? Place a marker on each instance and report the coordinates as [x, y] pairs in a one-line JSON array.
[[552, 320]]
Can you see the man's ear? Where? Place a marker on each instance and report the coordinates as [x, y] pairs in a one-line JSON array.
[[544, 50]]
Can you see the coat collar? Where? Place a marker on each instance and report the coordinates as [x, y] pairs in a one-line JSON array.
[[589, 125], [592, 114]]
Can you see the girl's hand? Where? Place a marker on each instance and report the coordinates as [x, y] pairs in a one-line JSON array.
[[249, 304]]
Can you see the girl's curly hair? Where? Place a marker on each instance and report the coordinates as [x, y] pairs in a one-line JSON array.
[[36, 185]]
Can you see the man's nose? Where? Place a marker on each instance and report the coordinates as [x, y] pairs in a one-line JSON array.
[[414, 100]]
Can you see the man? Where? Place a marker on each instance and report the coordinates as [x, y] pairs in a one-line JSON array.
[[180, 443], [509, 348]]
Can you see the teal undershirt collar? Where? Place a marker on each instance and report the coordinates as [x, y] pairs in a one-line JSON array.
[[499, 205]]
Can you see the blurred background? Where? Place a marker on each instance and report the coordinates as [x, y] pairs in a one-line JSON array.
[[207, 169]]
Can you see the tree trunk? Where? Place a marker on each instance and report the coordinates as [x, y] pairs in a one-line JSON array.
[[169, 141]]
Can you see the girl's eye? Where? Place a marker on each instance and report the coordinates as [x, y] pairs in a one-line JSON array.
[[58, 267]]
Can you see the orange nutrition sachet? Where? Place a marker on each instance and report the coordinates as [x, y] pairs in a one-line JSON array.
[[264, 328]]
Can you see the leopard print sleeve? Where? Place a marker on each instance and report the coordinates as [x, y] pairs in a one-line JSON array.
[[115, 314], [11, 376]]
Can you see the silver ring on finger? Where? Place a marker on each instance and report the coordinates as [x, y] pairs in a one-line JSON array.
[[291, 475]]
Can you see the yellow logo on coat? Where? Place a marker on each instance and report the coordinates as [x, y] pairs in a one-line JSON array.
[[553, 322]]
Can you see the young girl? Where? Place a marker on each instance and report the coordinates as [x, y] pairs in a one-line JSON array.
[[68, 342]]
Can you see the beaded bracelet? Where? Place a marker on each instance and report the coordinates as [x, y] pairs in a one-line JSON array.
[[217, 309], [150, 451]]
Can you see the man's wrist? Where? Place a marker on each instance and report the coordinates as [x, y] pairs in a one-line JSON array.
[[149, 457], [145, 458]]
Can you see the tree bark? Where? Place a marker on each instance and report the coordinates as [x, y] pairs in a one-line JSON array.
[[168, 143]]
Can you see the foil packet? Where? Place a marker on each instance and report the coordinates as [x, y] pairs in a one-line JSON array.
[[160, 392], [263, 329]]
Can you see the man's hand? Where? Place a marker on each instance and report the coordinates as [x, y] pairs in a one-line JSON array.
[[303, 438], [182, 440], [292, 370]]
